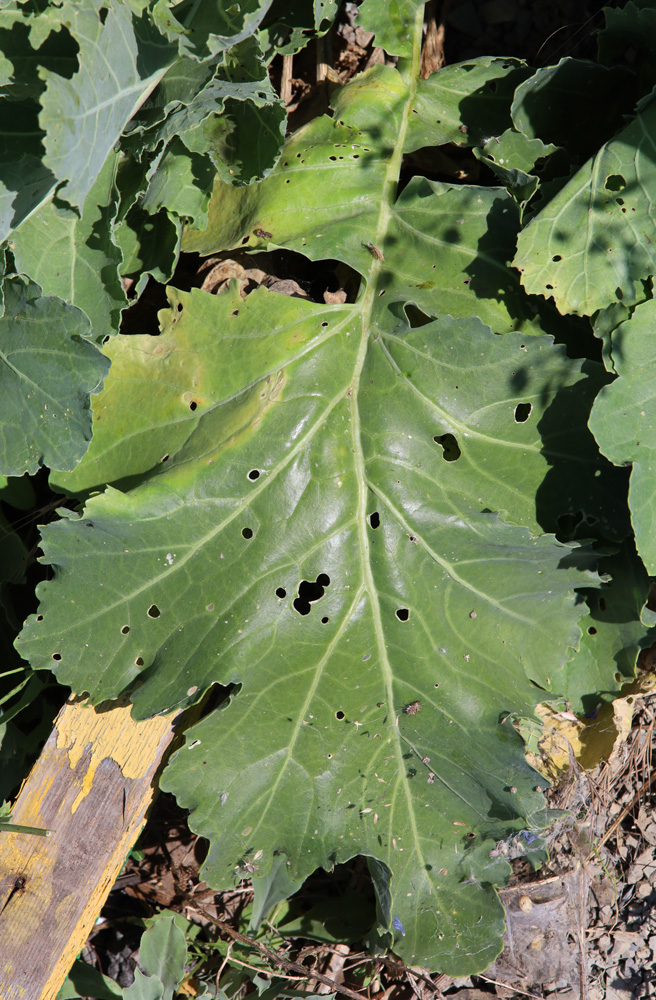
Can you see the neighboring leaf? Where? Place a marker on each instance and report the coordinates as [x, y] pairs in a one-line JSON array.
[[173, 377], [613, 634], [511, 156], [231, 113], [47, 373], [121, 58], [583, 495], [347, 917], [25, 183], [592, 244], [246, 140], [552, 104], [163, 952], [630, 35], [145, 988], [181, 183], [17, 493], [467, 103], [75, 257], [391, 21], [513, 151], [150, 244], [85, 981], [214, 26], [623, 420], [289, 24], [271, 889]]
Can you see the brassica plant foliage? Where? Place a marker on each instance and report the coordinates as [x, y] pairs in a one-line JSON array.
[[391, 522]]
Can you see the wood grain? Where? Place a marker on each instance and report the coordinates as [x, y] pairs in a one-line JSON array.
[[91, 786]]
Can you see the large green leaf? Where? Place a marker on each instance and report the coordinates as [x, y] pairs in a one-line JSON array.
[[46, 376], [322, 536], [592, 244], [624, 416], [321, 460], [74, 256]]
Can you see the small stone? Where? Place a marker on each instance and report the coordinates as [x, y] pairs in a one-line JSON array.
[[643, 953], [625, 943], [604, 942], [644, 890]]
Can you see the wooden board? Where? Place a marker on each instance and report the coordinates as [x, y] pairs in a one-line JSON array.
[[91, 786]]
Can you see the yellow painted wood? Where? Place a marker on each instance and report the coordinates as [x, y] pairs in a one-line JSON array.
[[91, 786]]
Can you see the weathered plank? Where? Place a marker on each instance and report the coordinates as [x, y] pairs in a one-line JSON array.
[[91, 786]]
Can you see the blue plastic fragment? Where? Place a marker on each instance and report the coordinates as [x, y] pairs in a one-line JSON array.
[[396, 923], [528, 837]]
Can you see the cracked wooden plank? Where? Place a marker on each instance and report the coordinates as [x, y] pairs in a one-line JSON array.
[[91, 786]]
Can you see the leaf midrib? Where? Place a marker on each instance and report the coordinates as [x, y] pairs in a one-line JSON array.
[[385, 218]]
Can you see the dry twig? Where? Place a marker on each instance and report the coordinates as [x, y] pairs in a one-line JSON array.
[[276, 959]]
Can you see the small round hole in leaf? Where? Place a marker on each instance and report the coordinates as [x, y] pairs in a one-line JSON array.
[[281, 592], [522, 412], [402, 614], [246, 532], [374, 519], [125, 630], [324, 621], [340, 715], [153, 611], [253, 475], [39, 618], [592, 630], [56, 656], [193, 405], [139, 662]]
